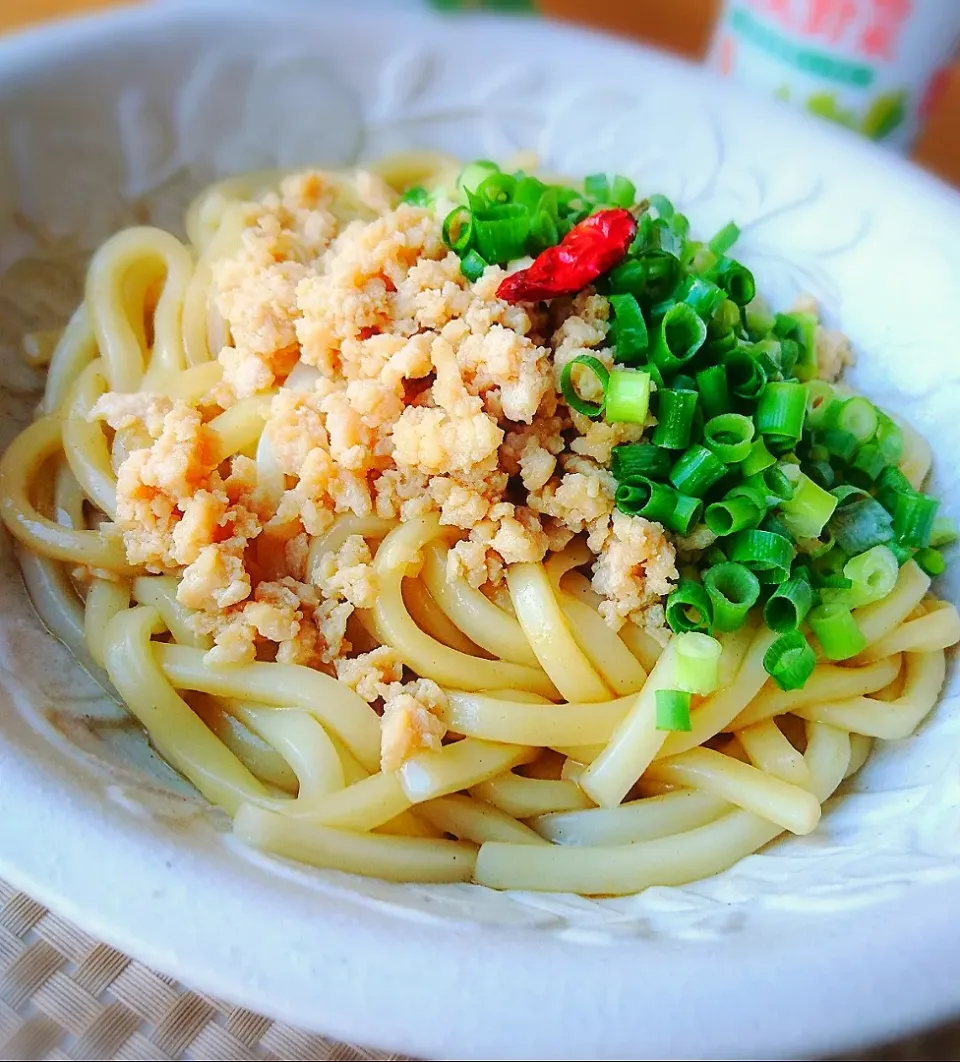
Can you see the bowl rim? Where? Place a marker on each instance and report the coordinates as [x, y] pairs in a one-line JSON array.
[[431, 989]]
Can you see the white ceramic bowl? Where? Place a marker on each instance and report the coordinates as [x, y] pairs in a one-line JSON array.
[[848, 935]]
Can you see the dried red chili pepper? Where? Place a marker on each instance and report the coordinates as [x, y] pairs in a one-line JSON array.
[[587, 251]]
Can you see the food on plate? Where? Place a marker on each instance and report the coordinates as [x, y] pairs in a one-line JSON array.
[[462, 524]]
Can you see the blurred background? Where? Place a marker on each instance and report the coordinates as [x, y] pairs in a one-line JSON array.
[[682, 26]]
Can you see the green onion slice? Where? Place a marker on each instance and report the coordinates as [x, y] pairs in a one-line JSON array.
[[697, 470], [790, 661], [836, 630], [472, 266], [673, 710], [629, 329], [729, 436], [570, 396], [627, 397], [675, 418], [789, 604], [733, 590], [697, 663], [458, 230], [629, 460], [714, 392], [872, 574], [689, 608], [763, 551]]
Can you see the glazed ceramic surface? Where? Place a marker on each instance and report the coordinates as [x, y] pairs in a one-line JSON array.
[[847, 935]]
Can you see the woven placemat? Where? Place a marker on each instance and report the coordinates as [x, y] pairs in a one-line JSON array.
[[65, 997]]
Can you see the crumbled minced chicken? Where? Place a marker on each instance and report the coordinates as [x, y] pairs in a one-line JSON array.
[[410, 723], [417, 392]]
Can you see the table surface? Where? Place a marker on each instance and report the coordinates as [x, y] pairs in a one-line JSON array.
[[680, 25], [64, 996]]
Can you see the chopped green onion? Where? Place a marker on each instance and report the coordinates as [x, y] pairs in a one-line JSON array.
[[629, 460], [889, 438], [623, 192], [458, 230], [816, 547], [790, 661], [673, 710], [629, 329], [661, 205], [860, 525], [597, 187], [872, 575], [836, 631], [714, 393], [713, 555], [651, 277], [643, 497], [675, 418], [902, 553], [931, 561], [822, 473], [697, 663], [732, 514], [627, 397], [763, 551], [689, 608], [729, 436], [830, 564], [703, 295], [788, 605], [696, 471], [773, 484], [802, 329], [819, 402], [754, 492], [758, 459], [570, 396], [725, 239], [890, 483], [758, 317], [727, 317], [806, 514], [840, 444], [416, 196], [745, 375], [857, 416], [698, 258], [679, 337], [737, 281], [543, 232], [781, 411], [769, 353], [913, 517], [535, 195], [497, 189], [733, 591], [944, 532], [472, 266], [659, 502], [776, 526], [503, 237], [686, 514], [472, 176], [867, 465]]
